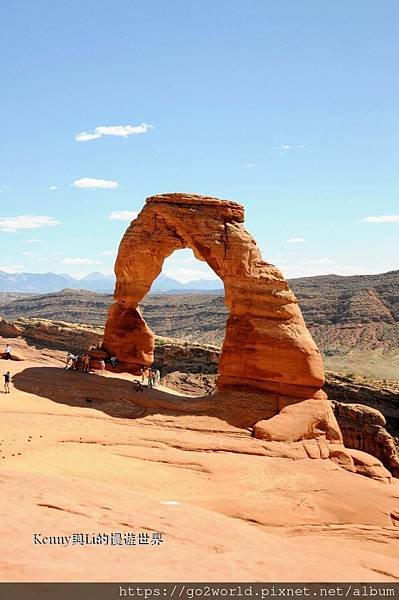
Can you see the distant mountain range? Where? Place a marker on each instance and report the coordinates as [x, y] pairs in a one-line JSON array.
[[44, 283]]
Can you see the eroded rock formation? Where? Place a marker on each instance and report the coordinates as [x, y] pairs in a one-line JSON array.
[[267, 344], [267, 347], [364, 429]]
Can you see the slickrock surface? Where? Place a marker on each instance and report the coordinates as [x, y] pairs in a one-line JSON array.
[[200, 361], [230, 507], [363, 428], [267, 344]]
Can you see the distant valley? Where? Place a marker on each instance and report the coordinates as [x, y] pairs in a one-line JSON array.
[[354, 319]]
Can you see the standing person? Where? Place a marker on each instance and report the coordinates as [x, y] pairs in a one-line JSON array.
[[102, 367], [8, 352], [86, 363], [149, 378], [157, 377], [144, 372], [81, 366], [7, 381]]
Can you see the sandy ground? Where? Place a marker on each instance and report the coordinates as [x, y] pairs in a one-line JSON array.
[[85, 453]]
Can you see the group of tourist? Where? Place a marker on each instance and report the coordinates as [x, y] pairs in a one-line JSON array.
[[78, 362], [84, 362], [153, 376]]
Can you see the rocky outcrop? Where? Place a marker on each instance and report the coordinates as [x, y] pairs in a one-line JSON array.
[[381, 395], [52, 334], [192, 384], [8, 329], [364, 429], [178, 355], [267, 345]]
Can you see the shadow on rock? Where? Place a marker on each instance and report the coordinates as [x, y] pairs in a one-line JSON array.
[[119, 398]]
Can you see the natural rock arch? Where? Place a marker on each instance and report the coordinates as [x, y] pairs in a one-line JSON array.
[[270, 372], [267, 345]]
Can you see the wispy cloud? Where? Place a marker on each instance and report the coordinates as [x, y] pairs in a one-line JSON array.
[[33, 241], [91, 183], [382, 219], [251, 165], [288, 147], [53, 187], [108, 253], [14, 224], [114, 130], [122, 215], [11, 269], [80, 261], [297, 240], [5, 188]]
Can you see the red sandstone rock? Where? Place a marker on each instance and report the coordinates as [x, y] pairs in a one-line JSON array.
[[267, 344], [368, 465], [305, 420], [8, 329]]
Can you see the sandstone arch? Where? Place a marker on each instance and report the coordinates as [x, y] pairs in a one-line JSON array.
[[267, 345]]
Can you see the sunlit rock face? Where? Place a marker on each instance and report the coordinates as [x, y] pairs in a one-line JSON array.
[[267, 345], [270, 371]]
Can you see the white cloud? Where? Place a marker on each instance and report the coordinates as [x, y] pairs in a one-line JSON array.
[[382, 219], [53, 187], [11, 269], [297, 240], [80, 261], [14, 224], [251, 165], [122, 215], [91, 183], [108, 253], [86, 137], [33, 241], [288, 147], [114, 130]]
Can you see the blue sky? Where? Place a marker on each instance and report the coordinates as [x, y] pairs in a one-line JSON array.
[[290, 108]]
